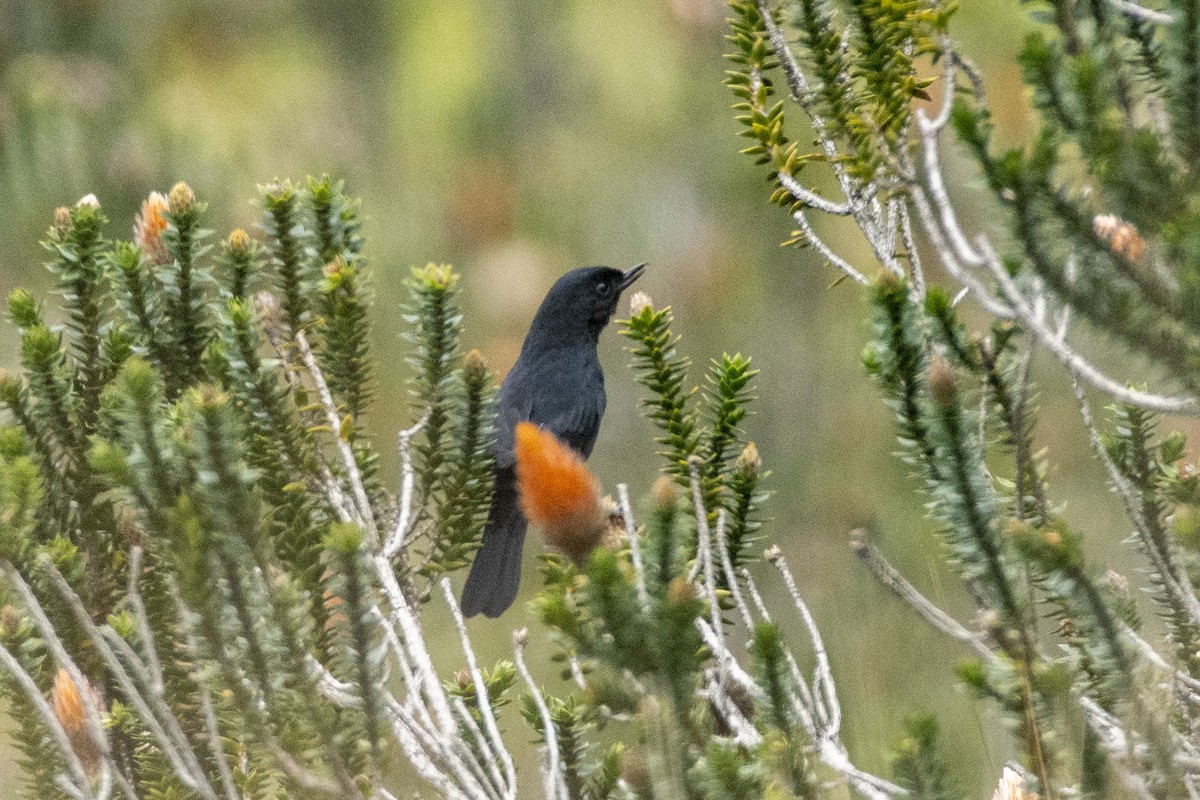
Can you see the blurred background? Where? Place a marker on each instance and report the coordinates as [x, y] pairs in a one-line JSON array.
[[517, 139]]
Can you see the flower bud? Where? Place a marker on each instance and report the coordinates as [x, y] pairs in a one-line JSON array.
[[1120, 236], [239, 241], [1052, 538], [10, 620], [62, 219], [1012, 787], [638, 303], [887, 279], [681, 591], [636, 773], [181, 199], [1117, 582], [1016, 527], [664, 493], [88, 201], [749, 462], [942, 385], [67, 703], [474, 365], [148, 226], [127, 526]]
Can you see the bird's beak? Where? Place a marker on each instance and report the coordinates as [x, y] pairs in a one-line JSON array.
[[632, 275]]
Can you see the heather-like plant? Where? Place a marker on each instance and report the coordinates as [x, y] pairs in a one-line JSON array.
[[209, 590], [1098, 220]]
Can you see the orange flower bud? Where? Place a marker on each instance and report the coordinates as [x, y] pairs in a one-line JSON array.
[[68, 708], [1120, 236], [558, 493], [68, 705], [148, 227]]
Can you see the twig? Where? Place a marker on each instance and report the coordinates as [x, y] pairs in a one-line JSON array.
[[824, 673], [1141, 12], [810, 198], [1076, 363], [731, 577], [349, 462], [744, 733], [405, 518], [805, 701], [635, 549], [492, 780], [825, 250], [555, 784], [1178, 586], [481, 695], [211, 727], [890, 577], [704, 558], [142, 619]]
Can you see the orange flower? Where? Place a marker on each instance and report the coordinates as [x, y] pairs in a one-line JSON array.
[[1120, 236], [148, 227], [68, 708], [558, 493]]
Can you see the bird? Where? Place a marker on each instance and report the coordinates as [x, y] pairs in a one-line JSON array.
[[557, 383]]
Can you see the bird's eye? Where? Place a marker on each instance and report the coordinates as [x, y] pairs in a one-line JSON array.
[[601, 288]]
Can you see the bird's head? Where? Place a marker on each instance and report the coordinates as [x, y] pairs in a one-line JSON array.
[[585, 299]]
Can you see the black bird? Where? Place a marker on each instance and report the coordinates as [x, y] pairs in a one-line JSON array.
[[556, 383]]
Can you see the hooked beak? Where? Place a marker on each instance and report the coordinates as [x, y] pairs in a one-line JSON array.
[[632, 275]]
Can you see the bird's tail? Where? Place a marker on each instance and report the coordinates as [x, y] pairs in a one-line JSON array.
[[496, 572]]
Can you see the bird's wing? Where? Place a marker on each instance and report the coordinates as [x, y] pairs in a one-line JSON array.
[[512, 407], [573, 416], [568, 403]]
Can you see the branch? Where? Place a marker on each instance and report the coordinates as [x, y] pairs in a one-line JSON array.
[[555, 783], [349, 462], [890, 577], [406, 519]]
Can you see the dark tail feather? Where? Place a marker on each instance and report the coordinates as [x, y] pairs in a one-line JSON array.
[[496, 572]]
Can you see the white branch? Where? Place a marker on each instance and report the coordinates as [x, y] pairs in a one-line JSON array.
[[555, 783], [349, 462], [481, 695], [405, 519], [635, 549]]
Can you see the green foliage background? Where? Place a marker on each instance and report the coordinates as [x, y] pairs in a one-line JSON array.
[[517, 139]]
